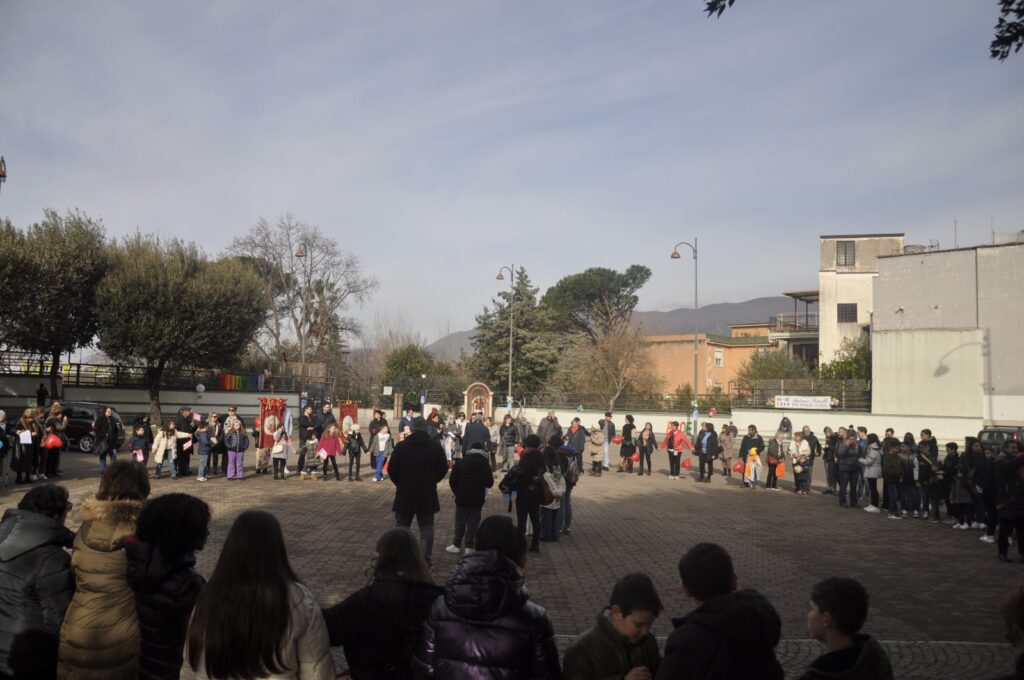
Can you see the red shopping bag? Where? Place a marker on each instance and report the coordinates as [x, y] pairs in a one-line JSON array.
[[635, 457], [687, 463], [780, 470], [52, 441], [739, 467]]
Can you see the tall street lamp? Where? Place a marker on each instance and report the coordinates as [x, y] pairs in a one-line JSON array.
[[300, 253], [3, 171], [511, 299], [675, 256]]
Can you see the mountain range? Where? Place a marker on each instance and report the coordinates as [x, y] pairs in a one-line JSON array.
[[714, 318]]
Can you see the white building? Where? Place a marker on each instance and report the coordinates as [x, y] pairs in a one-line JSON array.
[[948, 334], [849, 266]]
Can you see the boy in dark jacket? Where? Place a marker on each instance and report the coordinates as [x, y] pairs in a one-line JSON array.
[[139, 444], [620, 645], [839, 607], [732, 633], [36, 584], [354, 447], [469, 480], [161, 570]]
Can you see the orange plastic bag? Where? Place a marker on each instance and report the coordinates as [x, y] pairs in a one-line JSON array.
[[780, 470], [687, 463], [635, 457]]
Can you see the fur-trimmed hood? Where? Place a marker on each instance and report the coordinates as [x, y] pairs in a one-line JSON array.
[[105, 524]]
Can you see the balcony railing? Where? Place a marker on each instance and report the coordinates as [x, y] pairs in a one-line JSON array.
[[794, 322]]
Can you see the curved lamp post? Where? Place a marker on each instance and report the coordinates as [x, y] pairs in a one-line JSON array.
[[675, 256], [3, 171], [511, 299]]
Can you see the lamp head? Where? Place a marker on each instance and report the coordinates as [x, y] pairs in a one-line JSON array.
[[300, 252], [675, 255], [500, 276]]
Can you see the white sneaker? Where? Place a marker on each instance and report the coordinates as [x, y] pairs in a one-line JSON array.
[[914, 514], [962, 526], [977, 525], [453, 549], [988, 539], [871, 508], [35, 478], [42, 476]]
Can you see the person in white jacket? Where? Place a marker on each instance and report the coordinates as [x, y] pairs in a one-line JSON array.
[[871, 464]]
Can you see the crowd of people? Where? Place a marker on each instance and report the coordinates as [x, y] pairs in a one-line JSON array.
[[128, 603]]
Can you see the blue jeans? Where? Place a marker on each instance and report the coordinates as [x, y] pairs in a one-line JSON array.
[[549, 525], [564, 520], [158, 469], [848, 479], [204, 460], [378, 472], [606, 455], [102, 459]]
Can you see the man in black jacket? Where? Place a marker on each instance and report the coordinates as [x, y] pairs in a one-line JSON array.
[[36, 583], [751, 440], [323, 420], [471, 477], [186, 427], [1010, 499], [731, 635], [477, 432], [531, 468], [417, 465]]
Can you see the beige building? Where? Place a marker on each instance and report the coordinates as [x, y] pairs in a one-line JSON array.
[[948, 334], [719, 357], [849, 266]]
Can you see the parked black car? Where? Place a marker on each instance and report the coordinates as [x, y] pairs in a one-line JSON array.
[[993, 437], [81, 430]]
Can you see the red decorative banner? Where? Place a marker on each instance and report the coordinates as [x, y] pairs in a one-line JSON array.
[[271, 416]]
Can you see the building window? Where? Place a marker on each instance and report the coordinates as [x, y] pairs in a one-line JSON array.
[[719, 358], [846, 313], [846, 254]]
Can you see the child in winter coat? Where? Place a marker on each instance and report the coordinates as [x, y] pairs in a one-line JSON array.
[[595, 449], [354, 447], [205, 447], [137, 444], [549, 529], [802, 470], [754, 469], [279, 453]]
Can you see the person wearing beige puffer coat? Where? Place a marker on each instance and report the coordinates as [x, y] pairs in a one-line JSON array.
[[595, 448], [100, 635]]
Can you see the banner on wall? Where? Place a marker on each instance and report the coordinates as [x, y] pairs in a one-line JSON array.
[[271, 418], [808, 402]]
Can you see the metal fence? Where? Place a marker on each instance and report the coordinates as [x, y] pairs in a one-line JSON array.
[[850, 395], [173, 378]]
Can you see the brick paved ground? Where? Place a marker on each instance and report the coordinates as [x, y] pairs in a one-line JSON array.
[[934, 590]]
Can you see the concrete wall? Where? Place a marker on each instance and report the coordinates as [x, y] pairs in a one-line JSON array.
[[928, 372], [977, 288], [867, 250], [845, 288]]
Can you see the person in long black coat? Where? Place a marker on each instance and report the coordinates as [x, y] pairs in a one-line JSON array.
[[161, 571], [417, 465], [36, 583]]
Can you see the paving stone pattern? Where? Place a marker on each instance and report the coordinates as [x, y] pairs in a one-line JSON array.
[[935, 591]]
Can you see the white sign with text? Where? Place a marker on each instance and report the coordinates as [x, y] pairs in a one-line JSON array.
[[796, 401]]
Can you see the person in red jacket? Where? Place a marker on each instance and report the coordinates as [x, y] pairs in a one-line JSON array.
[[328, 449], [676, 442]]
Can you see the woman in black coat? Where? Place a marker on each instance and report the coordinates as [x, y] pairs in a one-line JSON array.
[[484, 626], [36, 584], [380, 625], [161, 571]]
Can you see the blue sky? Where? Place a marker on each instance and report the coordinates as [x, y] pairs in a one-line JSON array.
[[442, 140]]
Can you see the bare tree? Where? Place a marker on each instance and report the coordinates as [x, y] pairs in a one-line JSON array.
[[310, 282], [610, 366]]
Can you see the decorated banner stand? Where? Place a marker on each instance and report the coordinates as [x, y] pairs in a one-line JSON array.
[[272, 412]]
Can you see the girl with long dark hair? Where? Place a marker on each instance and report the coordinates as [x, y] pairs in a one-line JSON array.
[[380, 625], [255, 619]]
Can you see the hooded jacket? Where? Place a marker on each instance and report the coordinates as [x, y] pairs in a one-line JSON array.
[[100, 635], [595, 446], [380, 625], [732, 637], [35, 589], [872, 462], [866, 660], [165, 593], [602, 653], [484, 626], [470, 476]]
